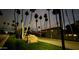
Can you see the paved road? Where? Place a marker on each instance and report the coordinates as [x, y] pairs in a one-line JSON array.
[[68, 44], [3, 39]]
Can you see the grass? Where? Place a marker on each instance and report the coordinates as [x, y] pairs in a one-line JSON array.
[[17, 44], [43, 46]]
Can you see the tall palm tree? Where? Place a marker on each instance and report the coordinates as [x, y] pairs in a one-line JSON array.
[[32, 11], [26, 13], [49, 17], [73, 17], [40, 26], [56, 18], [46, 20], [40, 22], [45, 16], [36, 16], [22, 22], [63, 16], [18, 13], [69, 23], [58, 11], [15, 20]]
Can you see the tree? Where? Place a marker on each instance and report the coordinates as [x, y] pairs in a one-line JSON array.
[[40, 22], [55, 13], [58, 11], [49, 17], [36, 16], [32, 11], [18, 13], [45, 22], [69, 24], [26, 13], [73, 17]]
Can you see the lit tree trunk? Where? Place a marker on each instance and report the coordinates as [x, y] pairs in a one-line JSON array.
[[22, 26]]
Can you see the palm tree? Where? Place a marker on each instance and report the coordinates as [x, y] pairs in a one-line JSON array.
[[63, 16], [22, 26], [56, 19], [46, 20], [26, 13], [18, 13], [40, 22], [45, 16], [69, 23], [36, 16], [32, 11], [58, 11], [15, 20], [49, 17], [73, 17]]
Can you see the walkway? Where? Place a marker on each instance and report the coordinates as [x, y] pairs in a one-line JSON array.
[[3, 39], [68, 44]]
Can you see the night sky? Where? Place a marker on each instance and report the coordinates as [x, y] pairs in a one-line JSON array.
[[8, 15]]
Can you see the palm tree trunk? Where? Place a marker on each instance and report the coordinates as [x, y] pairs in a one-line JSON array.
[[69, 23], [56, 20], [50, 24], [22, 26], [26, 25], [36, 25], [61, 28], [40, 24], [49, 19], [30, 20], [63, 19], [15, 21], [40, 28], [73, 17]]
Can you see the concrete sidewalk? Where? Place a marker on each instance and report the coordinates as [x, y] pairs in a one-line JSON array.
[[68, 44], [3, 39]]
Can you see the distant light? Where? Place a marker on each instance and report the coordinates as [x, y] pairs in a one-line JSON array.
[[75, 35], [70, 34]]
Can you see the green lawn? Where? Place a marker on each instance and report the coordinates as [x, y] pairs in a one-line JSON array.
[[17, 44], [43, 46]]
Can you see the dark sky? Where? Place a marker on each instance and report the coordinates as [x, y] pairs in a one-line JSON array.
[[9, 16]]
